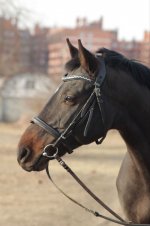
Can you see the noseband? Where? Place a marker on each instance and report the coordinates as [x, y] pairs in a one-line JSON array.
[[85, 112]]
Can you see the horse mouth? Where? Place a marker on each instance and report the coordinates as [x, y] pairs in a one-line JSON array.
[[42, 161], [39, 164]]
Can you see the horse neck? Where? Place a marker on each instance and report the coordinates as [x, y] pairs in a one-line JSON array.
[[139, 149], [134, 119]]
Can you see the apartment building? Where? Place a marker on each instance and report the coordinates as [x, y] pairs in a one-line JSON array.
[[92, 35], [39, 49], [145, 49], [22, 50]]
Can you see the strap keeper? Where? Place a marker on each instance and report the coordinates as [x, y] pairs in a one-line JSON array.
[[63, 137]]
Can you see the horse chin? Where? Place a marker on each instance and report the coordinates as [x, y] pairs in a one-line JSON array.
[[40, 167], [40, 164]]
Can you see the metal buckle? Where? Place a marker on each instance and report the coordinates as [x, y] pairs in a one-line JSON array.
[[47, 148]]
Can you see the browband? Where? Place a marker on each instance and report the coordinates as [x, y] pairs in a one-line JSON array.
[[76, 77]]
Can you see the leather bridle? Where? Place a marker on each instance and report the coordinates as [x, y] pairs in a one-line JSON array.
[[85, 113]]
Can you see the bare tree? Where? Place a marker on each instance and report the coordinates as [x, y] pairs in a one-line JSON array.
[[11, 17]]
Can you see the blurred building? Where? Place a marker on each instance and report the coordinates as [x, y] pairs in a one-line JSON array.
[[23, 95], [145, 49], [45, 50], [130, 49], [92, 35], [22, 51], [39, 50], [138, 50], [8, 46]]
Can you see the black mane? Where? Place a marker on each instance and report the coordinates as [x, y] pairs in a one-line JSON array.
[[140, 72]]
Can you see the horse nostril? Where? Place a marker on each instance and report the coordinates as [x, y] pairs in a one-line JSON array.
[[23, 155]]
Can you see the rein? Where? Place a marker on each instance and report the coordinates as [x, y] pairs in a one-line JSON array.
[[120, 221], [86, 112]]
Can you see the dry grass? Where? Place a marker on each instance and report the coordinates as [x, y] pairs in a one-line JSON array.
[[30, 199]]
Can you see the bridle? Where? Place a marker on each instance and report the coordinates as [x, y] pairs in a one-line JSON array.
[[85, 113]]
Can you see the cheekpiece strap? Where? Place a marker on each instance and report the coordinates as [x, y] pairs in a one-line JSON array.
[[102, 72]]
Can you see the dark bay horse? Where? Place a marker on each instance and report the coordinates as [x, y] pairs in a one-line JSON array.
[[98, 93]]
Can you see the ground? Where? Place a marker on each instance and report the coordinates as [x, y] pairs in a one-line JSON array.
[[29, 199]]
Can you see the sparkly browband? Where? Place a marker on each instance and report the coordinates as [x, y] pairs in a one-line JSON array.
[[76, 77]]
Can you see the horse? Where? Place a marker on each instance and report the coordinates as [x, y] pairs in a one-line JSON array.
[[99, 92]]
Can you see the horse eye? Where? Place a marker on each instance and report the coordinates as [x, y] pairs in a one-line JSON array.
[[69, 99]]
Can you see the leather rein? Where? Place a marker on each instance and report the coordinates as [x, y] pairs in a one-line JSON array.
[[86, 113]]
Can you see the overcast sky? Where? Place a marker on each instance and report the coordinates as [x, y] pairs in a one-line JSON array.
[[130, 17]]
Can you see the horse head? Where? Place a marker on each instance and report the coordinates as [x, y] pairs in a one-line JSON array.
[[77, 113]]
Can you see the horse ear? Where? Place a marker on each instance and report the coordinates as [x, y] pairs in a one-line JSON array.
[[87, 60], [73, 50]]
